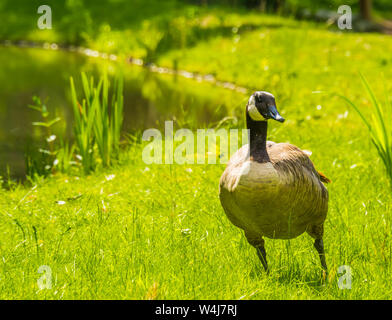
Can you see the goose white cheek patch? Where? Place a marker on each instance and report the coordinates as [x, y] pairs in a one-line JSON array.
[[253, 112]]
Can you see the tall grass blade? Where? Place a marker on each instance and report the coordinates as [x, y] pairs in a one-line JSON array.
[[379, 127]]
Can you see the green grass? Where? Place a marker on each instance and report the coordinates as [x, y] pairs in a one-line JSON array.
[[380, 128], [159, 231]]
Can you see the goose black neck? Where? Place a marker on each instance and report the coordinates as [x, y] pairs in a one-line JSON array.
[[257, 139]]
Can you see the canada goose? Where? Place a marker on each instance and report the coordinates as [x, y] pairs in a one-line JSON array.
[[272, 189]]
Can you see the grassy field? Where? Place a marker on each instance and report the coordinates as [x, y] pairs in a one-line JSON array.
[[140, 231]]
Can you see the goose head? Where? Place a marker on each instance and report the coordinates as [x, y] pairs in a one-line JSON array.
[[261, 107]]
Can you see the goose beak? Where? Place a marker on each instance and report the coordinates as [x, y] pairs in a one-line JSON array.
[[274, 114]]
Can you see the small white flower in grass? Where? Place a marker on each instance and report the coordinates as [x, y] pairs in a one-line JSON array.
[[188, 170], [79, 157], [186, 232], [55, 162], [51, 138], [60, 202], [146, 169], [353, 166], [319, 107], [343, 116], [110, 177]]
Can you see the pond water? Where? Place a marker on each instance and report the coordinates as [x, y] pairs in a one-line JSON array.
[[149, 99]]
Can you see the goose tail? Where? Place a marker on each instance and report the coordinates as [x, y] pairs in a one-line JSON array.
[[323, 178]]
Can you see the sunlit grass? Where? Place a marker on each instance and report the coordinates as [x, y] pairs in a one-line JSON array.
[[158, 231], [122, 232]]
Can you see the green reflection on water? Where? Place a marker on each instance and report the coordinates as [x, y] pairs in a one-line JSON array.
[[149, 99]]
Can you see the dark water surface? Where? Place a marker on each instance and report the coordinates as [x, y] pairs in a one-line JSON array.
[[149, 99]]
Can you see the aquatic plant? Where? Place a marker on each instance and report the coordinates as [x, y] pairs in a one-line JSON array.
[[98, 120]]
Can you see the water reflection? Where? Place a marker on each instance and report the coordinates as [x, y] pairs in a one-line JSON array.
[[149, 99]]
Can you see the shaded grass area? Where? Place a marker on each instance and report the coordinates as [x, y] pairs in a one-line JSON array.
[[143, 29], [159, 231], [244, 47]]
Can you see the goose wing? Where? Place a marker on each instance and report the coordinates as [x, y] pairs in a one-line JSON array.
[[289, 157]]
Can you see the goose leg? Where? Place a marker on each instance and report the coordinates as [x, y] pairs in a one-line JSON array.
[[258, 242], [319, 245], [316, 232], [263, 257]]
